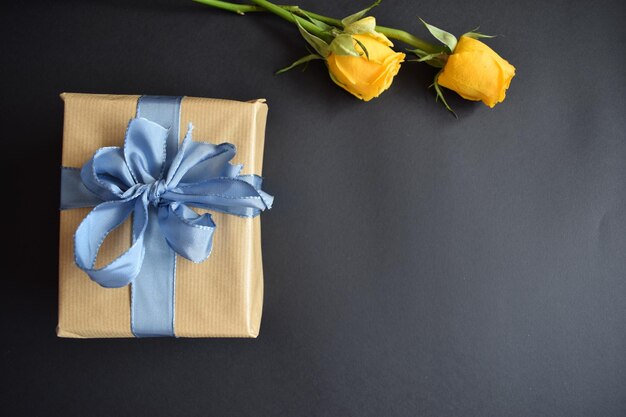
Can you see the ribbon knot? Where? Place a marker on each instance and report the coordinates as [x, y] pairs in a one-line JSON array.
[[142, 179], [154, 192]]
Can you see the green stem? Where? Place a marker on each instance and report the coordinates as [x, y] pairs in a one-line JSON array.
[[288, 12], [388, 32], [328, 20], [266, 6], [231, 7], [409, 39], [290, 17]]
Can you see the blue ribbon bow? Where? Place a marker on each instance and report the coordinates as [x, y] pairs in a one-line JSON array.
[[135, 178]]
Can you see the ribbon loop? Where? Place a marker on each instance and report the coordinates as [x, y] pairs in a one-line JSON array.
[[145, 150], [92, 231], [197, 161], [180, 224]]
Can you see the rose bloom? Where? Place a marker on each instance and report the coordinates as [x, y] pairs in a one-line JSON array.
[[477, 72], [366, 78]]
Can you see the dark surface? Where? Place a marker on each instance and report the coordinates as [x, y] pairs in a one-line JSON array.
[[416, 265]]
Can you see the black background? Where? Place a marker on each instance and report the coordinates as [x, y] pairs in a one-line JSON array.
[[415, 265]]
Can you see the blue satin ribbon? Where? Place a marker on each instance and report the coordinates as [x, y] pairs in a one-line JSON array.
[[153, 290], [157, 181]]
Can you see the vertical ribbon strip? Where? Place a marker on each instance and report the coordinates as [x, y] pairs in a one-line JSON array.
[[157, 182], [152, 292]]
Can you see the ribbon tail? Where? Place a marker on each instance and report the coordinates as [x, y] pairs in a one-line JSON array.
[[256, 181], [229, 195], [152, 292]]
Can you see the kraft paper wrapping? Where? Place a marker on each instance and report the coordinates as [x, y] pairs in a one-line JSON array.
[[220, 297]]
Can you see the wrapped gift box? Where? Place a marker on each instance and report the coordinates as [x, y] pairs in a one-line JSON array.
[[220, 297]]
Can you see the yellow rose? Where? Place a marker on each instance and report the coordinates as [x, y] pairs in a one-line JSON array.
[[477, 72], [366, 78]]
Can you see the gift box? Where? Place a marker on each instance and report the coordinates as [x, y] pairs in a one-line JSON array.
[[220, 296]]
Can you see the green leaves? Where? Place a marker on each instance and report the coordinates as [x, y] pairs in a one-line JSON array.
[[356, 24], [362, 47], [440, 94], [442, 36], [437, 60], [477, 35], [321, 25], [343, 44], [358, 15], [301, 61], [365, 25], [320, 46]]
